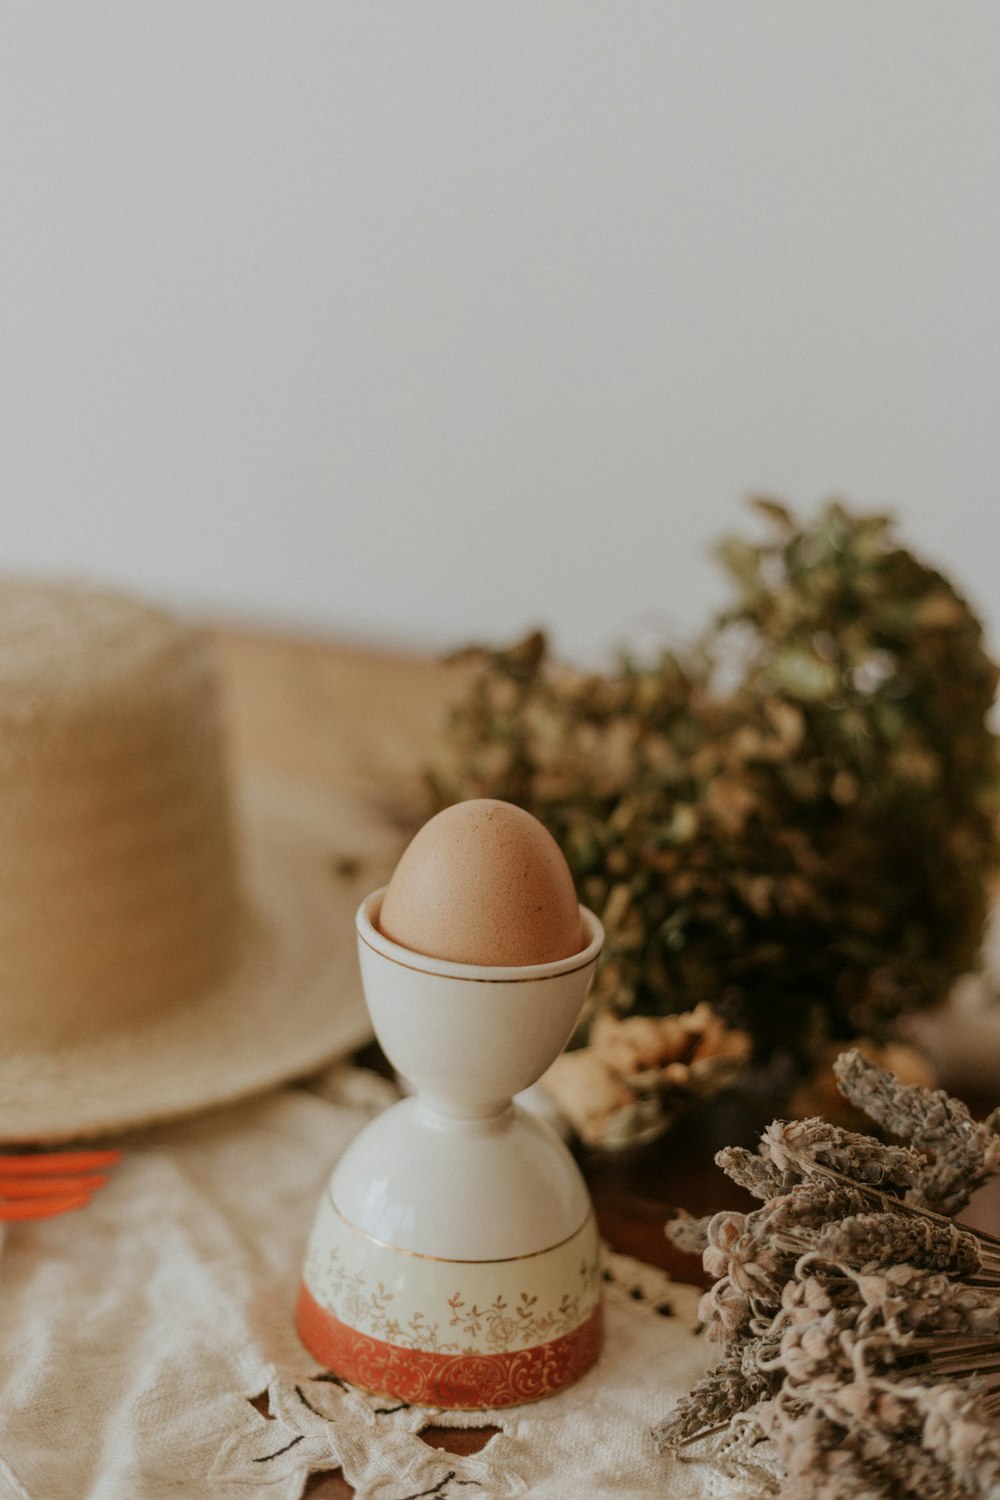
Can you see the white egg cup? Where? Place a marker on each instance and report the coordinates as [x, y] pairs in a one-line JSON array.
[[454, 1258]]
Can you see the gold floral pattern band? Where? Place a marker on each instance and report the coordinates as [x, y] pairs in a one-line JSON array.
[[446, 1306]]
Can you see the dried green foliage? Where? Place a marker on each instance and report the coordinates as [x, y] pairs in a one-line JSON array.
[[807, 848]]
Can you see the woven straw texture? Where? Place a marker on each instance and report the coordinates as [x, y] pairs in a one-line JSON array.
[[164, 944]]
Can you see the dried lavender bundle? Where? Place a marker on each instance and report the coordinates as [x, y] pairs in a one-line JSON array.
[[689, 1234], [878, 1439], [755, 1173], [959, 1153], [860, 1327], [733, 1385], [861, 1240], [812, 1145]]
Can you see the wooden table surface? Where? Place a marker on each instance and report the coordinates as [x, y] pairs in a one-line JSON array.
[[365, 722]]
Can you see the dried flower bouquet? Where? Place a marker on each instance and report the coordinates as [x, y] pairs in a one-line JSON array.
[[793, 822], [860, 1325], [635, 1074]]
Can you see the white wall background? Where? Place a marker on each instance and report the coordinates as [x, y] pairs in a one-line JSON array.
[[435, 318]]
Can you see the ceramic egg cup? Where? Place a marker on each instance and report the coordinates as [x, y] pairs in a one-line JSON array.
[[454, 1257]]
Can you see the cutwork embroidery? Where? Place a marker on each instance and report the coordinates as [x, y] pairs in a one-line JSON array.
[[324, 1423]]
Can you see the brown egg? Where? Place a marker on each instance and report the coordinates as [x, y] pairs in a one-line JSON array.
[[483, 883]]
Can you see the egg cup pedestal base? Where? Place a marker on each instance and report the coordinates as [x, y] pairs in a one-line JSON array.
[[466, 1335]]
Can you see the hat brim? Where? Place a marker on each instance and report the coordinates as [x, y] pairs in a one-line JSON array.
[[291, 1002]]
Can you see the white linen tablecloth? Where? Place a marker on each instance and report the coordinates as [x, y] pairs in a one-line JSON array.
[[134, 1335]]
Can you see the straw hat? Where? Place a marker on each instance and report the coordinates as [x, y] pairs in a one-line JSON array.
[[166, 943]]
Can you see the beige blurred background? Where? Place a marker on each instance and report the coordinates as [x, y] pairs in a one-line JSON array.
[[408, 322]]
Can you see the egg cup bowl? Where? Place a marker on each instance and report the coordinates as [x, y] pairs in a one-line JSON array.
[[504, 1026], [454, 1257]]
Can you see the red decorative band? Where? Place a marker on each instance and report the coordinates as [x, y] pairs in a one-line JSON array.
[[464, 1382]]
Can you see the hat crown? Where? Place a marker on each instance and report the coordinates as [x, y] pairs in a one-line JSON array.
[[119, 889]]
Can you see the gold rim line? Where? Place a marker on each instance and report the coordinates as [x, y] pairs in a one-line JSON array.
[[462, 979], [456, 1260]]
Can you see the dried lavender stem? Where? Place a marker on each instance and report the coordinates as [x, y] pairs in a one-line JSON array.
[[704, 1432], [959, 1366], [919, 1346]]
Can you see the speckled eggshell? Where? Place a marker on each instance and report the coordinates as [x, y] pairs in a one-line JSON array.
[[483, 883]]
